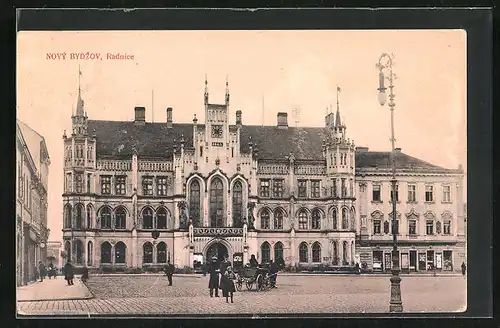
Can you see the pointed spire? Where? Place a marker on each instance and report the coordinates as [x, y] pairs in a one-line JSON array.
[[79, 104], [338, 122], [227, 90], [206, 89]]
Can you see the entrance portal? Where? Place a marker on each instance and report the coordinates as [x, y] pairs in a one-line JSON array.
[[218, 250]]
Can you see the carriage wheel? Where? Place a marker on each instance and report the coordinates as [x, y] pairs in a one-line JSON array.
[[260, 282], [249, 285], [239, 285]]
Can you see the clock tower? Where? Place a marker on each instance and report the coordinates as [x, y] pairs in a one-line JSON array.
[[217, 126]]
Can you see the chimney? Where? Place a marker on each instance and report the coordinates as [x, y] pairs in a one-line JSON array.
[[397, 150], [169, 117], [140, 115], [362, 149], [238, 117], [282, 120]]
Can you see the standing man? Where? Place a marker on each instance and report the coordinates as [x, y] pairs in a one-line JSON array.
[[273, 271], [69, 273], [464, 268], [169, 271], [41, 270], [213, 282]]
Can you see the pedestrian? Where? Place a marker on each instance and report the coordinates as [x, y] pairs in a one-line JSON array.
[[227, 284], [169, 271], [464, 268], [50, 272], [41, 270], [273, 271], [85, 274], [213, 280], [358, 269], [253, 261], [224, 264], [69, 273]]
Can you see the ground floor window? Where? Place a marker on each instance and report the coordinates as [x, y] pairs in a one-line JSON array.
[[421, 262], [447, 261], [430, 260], [378, 260], [106, 253], [120, 252], [303, 250], [413, 260], [388, 261]]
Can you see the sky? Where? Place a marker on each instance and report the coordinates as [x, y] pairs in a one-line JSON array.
[[268, 72]]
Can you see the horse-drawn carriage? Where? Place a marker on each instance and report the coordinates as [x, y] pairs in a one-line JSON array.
[[255, 278]]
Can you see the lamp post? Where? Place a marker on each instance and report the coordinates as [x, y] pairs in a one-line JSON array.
[[385, 62]]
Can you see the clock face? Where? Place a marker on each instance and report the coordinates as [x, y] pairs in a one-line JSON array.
[[216, 131]]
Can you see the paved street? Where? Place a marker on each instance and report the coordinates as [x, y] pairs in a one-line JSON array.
[[133, 295]]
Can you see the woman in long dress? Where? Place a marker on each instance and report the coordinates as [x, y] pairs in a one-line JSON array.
[[69, 273], [227, 284]]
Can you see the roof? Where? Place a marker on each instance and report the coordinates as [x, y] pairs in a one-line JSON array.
[[156, 140], [34, 141]]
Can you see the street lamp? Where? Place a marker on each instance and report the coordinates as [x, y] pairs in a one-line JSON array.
[[385, 62]]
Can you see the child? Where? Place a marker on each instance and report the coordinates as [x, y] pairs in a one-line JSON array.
[[227, 284]]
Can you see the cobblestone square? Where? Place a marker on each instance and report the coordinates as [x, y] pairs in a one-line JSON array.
[[143, 295]]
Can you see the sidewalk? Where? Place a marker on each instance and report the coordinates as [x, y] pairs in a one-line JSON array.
[[53, 290]]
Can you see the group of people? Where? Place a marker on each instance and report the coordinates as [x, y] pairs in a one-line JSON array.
[[221, 277]]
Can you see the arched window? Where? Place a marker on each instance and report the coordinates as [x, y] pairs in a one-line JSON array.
[[90, 254], [161, 218], [194, 202], [237, 204], [344, 252], [67, 249], [345, 223], [120, 252], [316, 252], [79, 252], [120, 218], [353, 220], [334, 219], [67, 216], [278, 251], [266, 252], [79, 216], [106, 253], [264, 219], [161, 253], [303, 252], [216, 203], [89, 216], [303, 224], [316, 219], [147, 253], [147, 218], [335, 253], [278, 219], [106, 218]]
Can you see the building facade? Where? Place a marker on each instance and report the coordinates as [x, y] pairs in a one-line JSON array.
[[216, 188], [32, 171]]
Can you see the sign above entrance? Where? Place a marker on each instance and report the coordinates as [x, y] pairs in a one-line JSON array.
[[218, 232]]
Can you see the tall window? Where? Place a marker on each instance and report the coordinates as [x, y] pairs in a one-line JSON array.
[[147, 186], [161, 218], [89, 216], [302, 188], [106, 218], [376, 193], [397, 194], [343, 189], [90, 253], [67, 249], [264, 219], [334, 219], [316, 219], [89, 178], [147, 218], [120, 252], [334, 188], [264, 188], [216, 203], [79, 251], [429, 193], [67, 216], [105, 184], [412, 227], [429, 224], [447, 227], [106, 253], [345, 222], [79, 216], [377, 225], [120, 218], [278, 219], [412, 192], [237, 204], [120, 185], [265, 252], [278, 188], [344, 251], [316, 252], [79, 182], [147, 253], [194, 202], [303, 224], [303, 250], [161, 253], [446, 194], [161, 186], [278, 251], [315, 190]]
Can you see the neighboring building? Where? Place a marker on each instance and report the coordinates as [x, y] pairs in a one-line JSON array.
[[54, 249], [32, 171], [217, 188]]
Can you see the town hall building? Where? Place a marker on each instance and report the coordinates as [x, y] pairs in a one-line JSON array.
[[138, 194]]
